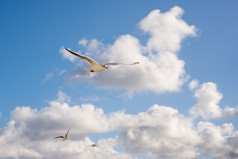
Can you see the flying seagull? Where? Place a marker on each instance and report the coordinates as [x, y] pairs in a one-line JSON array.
[[63, 137], [96, 67], [94, 145]]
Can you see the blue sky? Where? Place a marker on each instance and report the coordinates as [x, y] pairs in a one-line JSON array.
[[183, 92]]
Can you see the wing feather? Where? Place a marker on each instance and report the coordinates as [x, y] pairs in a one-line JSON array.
[[59, 137], [86, 58], [114, 64], [66, 135]]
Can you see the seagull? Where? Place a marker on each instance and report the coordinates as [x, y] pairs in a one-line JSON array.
[[63, 137], [94, 145], [96, 67]]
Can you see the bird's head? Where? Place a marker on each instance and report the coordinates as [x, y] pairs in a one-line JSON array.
[[105, 66]]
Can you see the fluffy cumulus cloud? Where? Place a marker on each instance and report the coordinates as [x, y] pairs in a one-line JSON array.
[[31, 132], [159, 70], [60, 116], [219, 141], [208, 98], [159, 132], [166, 29]]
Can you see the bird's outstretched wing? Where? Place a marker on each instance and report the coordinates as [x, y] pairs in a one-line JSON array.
[[86, 58], [66, 135], [59, 137], [114, 64]]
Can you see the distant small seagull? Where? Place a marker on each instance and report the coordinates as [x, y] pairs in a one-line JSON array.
[[96, 67], [63, 137], [94, 145]]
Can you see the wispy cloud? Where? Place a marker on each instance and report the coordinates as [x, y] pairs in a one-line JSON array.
[[48, 76], [62, 72], [83, 42], [193, 84], [91, 98], [230, 112], [53, 74]]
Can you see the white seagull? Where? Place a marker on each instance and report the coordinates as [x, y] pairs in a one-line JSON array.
[[96, 67]]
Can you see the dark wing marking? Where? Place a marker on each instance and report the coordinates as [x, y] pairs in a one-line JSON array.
[[114, 64], [94, 145], [86, 58], [66, 135]]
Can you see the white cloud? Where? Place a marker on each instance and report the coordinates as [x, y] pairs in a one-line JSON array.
[[230, 112], [160, 69], [21, 146], [193, 84], [48, 76], [31, 132], [83, 42], [208, 98], [164, 72], [166, 29], [62, 97], [127, 95], [90, 98], [232, 141], [217, 140], [53, 74], [160, 132], [94, 46], [62, 72]]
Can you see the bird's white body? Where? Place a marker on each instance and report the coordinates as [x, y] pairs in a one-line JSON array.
[[96, 68]]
